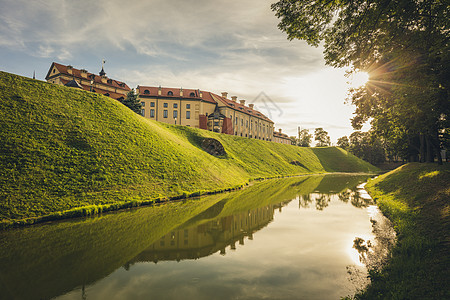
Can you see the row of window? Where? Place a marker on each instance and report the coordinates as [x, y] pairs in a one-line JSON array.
[[166, 105], [166, 113], [169, 93]]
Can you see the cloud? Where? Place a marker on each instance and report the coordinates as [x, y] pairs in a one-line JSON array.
[[219, 45]]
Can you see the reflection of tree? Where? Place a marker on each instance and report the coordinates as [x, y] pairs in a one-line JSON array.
[[322, 201], [304, 201], [355, 198]]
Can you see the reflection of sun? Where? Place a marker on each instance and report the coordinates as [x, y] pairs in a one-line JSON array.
[[358, 79]]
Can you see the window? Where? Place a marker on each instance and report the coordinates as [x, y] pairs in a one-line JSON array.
[[166, 105], [143, 112], [165, 113], [175, 114], [188, 106], [216, 123], [192, 94], [152, 104], [142, 104], [152, 113], [146, 92], [242, 122], [169, 93], [175, 105], [246, 124], [236, 120], [188, 115]]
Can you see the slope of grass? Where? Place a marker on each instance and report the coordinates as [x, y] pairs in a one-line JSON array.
[[67, 152], [416, 198]]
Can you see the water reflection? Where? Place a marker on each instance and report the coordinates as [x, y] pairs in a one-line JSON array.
[[50, 260]]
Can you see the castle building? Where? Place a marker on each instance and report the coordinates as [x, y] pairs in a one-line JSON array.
[[282, 138], [69, 76], [177, 106], [204, 110]]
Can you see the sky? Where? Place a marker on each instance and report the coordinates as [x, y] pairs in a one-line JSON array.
[[213, 45]]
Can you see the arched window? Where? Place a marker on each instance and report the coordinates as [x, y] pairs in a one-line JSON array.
[[192, 94], [169, 93], [146, 92], [107, 94]]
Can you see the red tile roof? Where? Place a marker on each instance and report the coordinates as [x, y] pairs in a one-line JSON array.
[[240, 107], [77, 74], [97, 90], [281, 135], [152, 91]]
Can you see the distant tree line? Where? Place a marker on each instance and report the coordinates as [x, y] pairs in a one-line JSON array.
[[404, 46]]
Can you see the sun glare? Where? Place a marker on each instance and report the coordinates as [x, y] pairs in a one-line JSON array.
[[359, 79]]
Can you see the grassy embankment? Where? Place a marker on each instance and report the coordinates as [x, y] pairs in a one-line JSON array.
[[67, 153], [416, 198]]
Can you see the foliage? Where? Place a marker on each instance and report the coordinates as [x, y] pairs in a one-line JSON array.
[[132, 102], [343, 142], [367, 147], [403, 45], [304, 138], [64, 149], [415, 198], [321, 137]]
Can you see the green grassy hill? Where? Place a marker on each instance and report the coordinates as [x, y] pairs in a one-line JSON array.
[[67, 152], [416, 198]]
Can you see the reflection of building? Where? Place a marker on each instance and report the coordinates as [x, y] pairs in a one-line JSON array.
[[208, 238], [69, 76]]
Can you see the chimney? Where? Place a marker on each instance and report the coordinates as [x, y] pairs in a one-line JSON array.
[[251, 105], [159, 91], [234, 98], [224, 94], [201, 94], [69, 69], [104, 78], [181, 92], [279, 130], [242, 102], [83, 73]]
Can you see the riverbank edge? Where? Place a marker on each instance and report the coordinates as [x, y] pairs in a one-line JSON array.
[[410, 196], [90, 210]]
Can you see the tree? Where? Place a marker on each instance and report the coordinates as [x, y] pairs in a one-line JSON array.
[[367, 147], [304, 138], [343, 142], [321, 137], [403, 45], [132, 102]]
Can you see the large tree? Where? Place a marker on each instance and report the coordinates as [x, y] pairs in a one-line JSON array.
[[304, 138], [321, 137], [403, 45]]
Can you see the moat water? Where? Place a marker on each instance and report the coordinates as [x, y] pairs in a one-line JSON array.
[[278, 239]]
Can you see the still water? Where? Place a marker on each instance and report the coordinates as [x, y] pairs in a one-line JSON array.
[[278, 239]]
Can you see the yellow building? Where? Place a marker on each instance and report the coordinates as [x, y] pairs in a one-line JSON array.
[[69, 76], [282, 138], [205, 110]]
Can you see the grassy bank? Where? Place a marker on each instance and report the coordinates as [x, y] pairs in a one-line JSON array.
[[67, 152], [416, 198]]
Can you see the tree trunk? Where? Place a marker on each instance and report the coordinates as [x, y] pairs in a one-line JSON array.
[[438, 148], [422, 148], [429, 149]]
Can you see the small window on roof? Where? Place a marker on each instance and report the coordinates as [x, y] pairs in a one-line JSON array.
[[169, 93], [107, 94], [147, 92], [192, 94]]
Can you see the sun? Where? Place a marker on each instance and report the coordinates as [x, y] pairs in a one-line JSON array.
[[358, 79]]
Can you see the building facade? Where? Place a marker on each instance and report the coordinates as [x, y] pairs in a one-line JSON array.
[[204, 110], [282, 138], [68, 75]]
